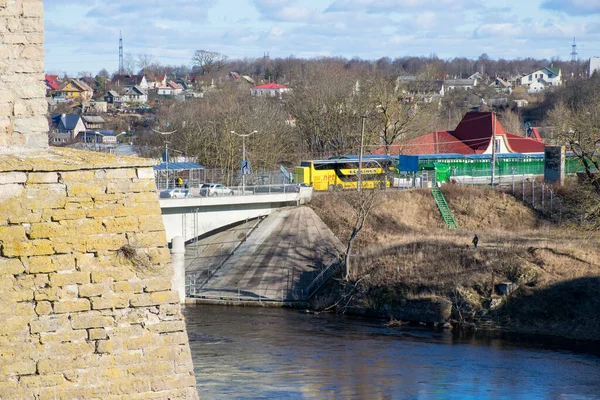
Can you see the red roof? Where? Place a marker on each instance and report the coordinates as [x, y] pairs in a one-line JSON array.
[[472, 136], [51, 81], [430, 143], [271, 86]]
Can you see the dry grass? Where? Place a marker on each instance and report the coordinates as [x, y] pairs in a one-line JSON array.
[[406, 251]]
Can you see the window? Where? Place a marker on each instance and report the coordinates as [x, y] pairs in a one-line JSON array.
[[498, 145], [530, 78]]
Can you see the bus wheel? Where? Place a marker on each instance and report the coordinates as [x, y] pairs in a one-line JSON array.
[[339, 188], [330, 188]]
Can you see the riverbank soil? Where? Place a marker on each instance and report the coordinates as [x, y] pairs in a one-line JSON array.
[[545, 276]]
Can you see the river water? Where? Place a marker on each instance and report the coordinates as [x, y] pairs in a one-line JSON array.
[[259, 353]]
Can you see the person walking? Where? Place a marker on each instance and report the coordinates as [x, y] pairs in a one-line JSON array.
[[475, 241]]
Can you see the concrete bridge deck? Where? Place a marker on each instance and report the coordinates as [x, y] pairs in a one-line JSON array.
[[279, 257]]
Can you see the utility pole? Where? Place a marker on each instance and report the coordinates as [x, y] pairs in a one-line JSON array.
[[493, 148], [244, 136], [360, 156]]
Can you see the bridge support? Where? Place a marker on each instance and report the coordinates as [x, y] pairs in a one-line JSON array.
[[178, 259]]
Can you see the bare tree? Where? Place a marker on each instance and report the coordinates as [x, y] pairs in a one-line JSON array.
[[129, 63], [209, 61], [362, 204], [144, 61], [511, 121], [399, 112]]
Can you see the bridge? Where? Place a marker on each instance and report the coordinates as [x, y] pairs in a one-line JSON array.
[[195, 216]]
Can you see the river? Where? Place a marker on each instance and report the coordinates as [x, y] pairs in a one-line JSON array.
[[265, 353]]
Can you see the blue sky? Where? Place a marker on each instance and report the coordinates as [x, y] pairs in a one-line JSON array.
[[83, 35]]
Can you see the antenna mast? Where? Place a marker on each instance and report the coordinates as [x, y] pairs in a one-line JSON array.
[[574, 51], [120, 53]]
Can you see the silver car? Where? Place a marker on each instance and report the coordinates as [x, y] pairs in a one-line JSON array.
[[175, 193], [215, 189]]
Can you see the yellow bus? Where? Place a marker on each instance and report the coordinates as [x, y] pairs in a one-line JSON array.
[[341, 173]]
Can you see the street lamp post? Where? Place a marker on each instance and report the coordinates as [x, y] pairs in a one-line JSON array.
[[360, 155], [166, 151], [244, 136]]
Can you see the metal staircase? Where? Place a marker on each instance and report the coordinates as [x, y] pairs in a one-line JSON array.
[[440, 200]]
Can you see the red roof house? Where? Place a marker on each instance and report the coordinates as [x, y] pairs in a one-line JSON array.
[[52, 82], [473, 135], [270, 89]]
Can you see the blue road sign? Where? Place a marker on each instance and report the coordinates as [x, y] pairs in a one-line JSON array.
[[245, 167]]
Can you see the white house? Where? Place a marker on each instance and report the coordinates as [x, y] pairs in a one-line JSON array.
[[171, 89], [594, 65], [465, 84], [537, 86], [135, 94], [270, 90], [552, 76]]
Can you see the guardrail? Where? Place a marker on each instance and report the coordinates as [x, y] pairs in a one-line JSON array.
[[323, 276], [236, 191], [258, 295]]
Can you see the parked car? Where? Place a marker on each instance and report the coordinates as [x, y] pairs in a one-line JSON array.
[[175, 193], [215, 189], [300, 186]]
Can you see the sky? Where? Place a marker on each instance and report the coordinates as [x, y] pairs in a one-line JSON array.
[[83, 35]]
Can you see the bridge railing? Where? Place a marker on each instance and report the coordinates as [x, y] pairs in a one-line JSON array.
[[256, 294], [248, 190]]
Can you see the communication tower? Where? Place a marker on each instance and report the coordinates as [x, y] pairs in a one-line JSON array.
[[574, 51], [120, 53]]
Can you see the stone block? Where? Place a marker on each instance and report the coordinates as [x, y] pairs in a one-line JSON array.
[[71, 305], [121, 173], [158, 368], [49, 323], [63, 336], [92, 289], [43, 308], [81, 189], [46, 381], [151, 223], [64, 214], [78, 176], [110, 301], [42, 177], [91, 320], [97, 334], [156, 284], [46, 264], [114, 274], [127, 287], [145, 173], [22, 367], [96, 243], [154, 299], [121, 224], [30, 248], [11, 266], [12, 233], [148, 240], [167, 326], [70, 278], [174, 382], [12, 177]]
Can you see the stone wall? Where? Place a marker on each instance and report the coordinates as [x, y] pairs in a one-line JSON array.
[[86, 304], [23, 107]]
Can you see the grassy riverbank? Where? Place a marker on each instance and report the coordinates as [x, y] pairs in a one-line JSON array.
[[410, 266]]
